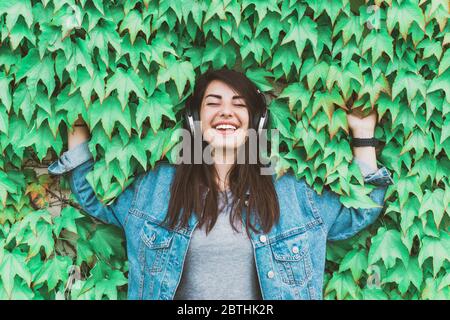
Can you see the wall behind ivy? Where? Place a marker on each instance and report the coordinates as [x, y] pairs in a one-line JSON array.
[[127, 66]]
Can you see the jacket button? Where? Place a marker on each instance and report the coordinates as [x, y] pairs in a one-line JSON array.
[[295, 249], [263, 239], [270, 274]]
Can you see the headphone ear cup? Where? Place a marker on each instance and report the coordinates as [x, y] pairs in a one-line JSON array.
[[195, 115], [189, 122], [195, 120], [262, 121], [189, 116], [256, 119]]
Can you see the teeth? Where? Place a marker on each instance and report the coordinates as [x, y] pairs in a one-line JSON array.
[[226, 126]]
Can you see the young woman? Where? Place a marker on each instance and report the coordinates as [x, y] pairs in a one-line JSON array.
[[224, 230]]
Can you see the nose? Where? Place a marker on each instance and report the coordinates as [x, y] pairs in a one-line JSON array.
[[226, 111]]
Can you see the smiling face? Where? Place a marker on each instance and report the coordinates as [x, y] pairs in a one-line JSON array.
[[224, 116]]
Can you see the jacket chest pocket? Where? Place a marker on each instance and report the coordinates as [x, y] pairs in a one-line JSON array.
[[292, 259], [155, 246]]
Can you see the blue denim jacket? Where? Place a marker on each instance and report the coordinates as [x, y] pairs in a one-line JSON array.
[[290, 259]]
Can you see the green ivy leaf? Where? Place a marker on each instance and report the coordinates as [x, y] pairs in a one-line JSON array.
[[79, 56], [296, 92], [356, 262], [441, 83], [124, 83], [350, 27], [387, 246], [104, 281], [4, 120], [133, 22], [42, 139], [109, 112], [215, 7], [14, 9], [271, 23], [404, 276], [5, 95], [431, 290], [286, 56], [219, 55], [179, 72], [327, 101], [378, 42], [42, 238], [433, 201], [53, 271], [66, 220], [19, 291], [261, 7], [358, 198], [444, 63], [409, 213], [257, 47], [13, 264], [156, 106], [107, 242], [280, 116], [404, 14], [437, 249], [123, 153], [302, 30], [344, 286], [258, 76], [73, 104], [408, 185], [103, 35], [68, 17], [35, 69], [331, 7], [374, 294], [338, 121], [412, 83], [87, 84]]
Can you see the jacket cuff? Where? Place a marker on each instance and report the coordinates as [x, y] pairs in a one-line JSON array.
[[381, 177], [71, 159]]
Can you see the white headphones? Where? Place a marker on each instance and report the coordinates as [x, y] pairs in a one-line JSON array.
[[191, 115]]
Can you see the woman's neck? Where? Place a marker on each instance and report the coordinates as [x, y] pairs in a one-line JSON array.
[[223, 162]]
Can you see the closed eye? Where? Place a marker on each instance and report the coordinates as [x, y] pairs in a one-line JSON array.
[[217, 104]]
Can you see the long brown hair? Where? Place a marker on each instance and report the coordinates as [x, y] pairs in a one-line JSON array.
[[194, 188]]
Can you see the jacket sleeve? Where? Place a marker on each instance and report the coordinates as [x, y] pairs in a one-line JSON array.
[[77, 163], [342, 222]]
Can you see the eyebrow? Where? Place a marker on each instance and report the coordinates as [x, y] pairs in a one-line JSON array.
[[220, 97]]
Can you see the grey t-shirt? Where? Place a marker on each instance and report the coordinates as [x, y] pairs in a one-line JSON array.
[[219, 265]]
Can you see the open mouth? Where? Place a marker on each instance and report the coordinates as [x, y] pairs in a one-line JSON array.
[[223, 128]]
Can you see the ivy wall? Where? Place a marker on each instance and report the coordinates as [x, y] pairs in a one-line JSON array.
[[127, 66]]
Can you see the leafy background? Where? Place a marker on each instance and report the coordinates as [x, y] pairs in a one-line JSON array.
[[127, 66]]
